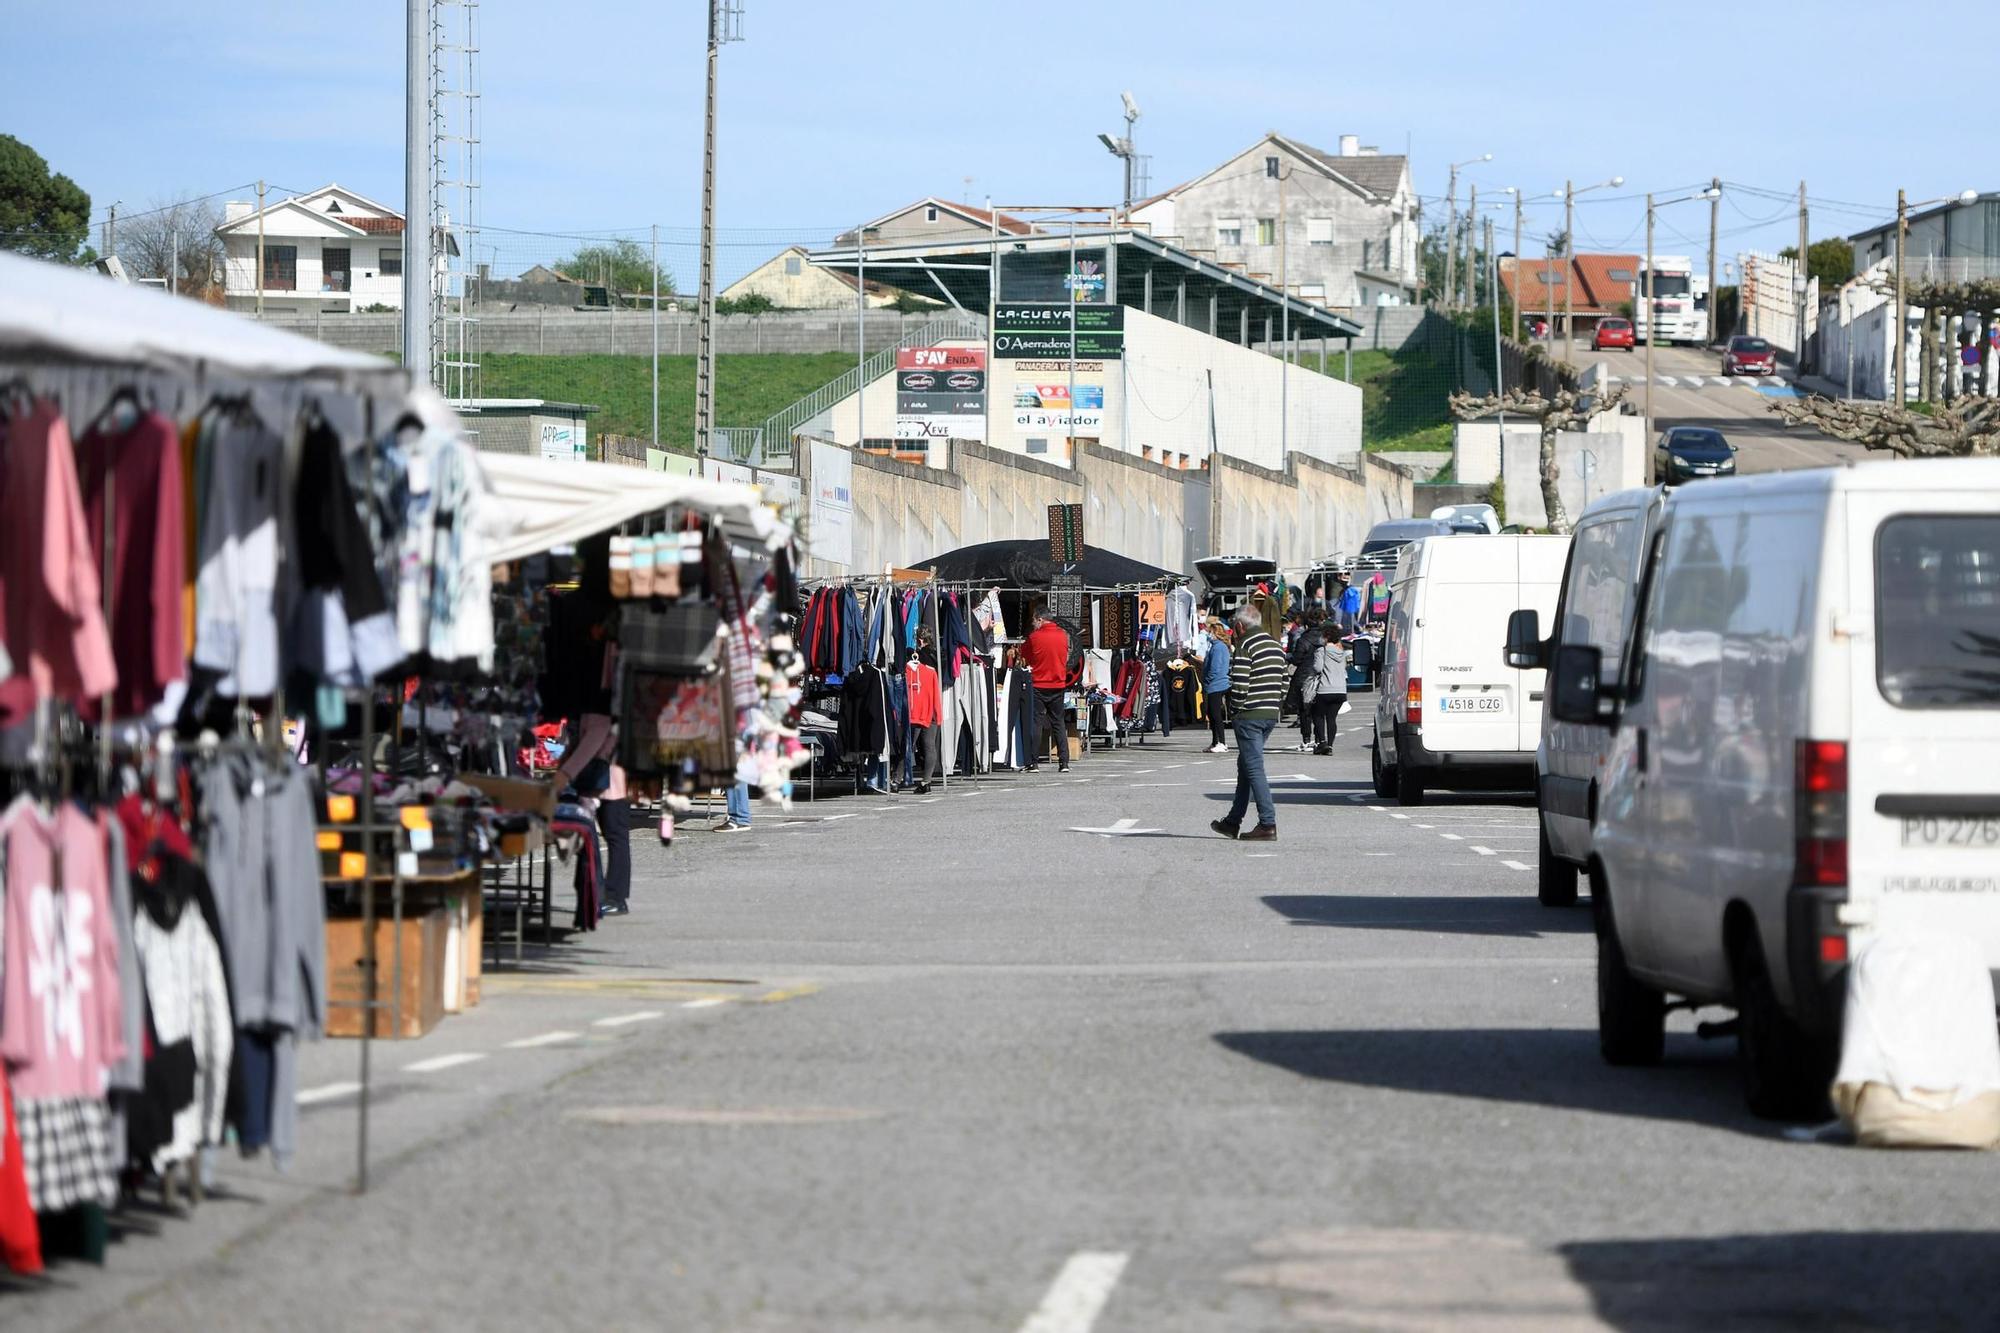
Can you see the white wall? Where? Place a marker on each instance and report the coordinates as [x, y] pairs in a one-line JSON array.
[[1616, 444]]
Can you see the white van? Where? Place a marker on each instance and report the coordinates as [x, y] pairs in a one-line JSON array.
[[1804, 753], [1595, 608], [1449, 711]]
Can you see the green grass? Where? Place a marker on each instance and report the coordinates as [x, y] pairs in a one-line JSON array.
[[748, 389], [1405, 400]]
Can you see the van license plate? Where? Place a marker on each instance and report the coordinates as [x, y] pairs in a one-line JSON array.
[[1474, 703], [1951, 831]]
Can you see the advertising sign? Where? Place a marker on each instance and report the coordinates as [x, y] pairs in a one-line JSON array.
[[562, 440], [1086, 280], [1066, 533], [941, 393], [830, 527], [1047, 409], [1041, 329]]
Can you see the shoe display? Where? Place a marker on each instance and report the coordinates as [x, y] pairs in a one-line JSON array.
[[1225, 828], [1262, 833]]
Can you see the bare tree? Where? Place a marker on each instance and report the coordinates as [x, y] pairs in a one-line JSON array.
[[1567, 409], [151, 243], [1968, 428]]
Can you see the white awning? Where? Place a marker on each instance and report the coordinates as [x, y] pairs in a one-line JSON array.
[[556, 502]]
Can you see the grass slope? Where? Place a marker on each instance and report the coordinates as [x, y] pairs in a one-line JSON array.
[[1405, 400], [747, 388]]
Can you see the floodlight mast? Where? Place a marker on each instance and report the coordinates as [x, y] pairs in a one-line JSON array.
[[1122, 148]]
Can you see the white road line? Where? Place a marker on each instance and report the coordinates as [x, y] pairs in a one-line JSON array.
[[1141, 772], [1427, 826], [706, 1002], [1172, 766], [1079, 1293], [545, 1039], [1394, 815], [1451, 837], [622, 1019], [1376, 808], [1514, 865], [1484, 851], [326, 1092], [437, 1062], [1259, 856]]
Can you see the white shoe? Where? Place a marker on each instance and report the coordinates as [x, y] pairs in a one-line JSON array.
[[1218, 748]]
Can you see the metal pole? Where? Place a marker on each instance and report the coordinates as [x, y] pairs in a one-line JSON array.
[[1847, 321], [656, 335], [1472, 247], [704, 409], [1714, 218], [1451, 241], [1800, 279], [992, 307], [1072, 345], [1652, 336], [417, 188], [173, 272], [1901, 322], [111, 232], [260, 252], [1549, 292], [1517, 266], [1569, 269], [861, 336], [1499, 367], [1284, 295]]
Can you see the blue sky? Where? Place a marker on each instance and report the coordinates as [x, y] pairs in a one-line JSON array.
[[832, 113]]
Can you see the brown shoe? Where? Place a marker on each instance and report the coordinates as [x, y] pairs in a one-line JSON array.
[[1225, 828], [1262, 833]]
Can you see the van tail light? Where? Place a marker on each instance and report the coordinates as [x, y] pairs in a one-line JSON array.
[[1413, 702], [1821, 793]]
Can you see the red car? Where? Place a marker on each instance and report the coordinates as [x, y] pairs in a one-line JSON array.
[[1613, 333], [1749, 356]]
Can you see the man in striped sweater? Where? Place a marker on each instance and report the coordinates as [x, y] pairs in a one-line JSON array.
[[1258, 675]]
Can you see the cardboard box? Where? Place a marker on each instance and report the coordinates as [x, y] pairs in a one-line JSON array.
[[537, 798], [420, 1005]]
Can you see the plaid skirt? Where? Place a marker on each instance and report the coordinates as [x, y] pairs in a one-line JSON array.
[[66, 1152]]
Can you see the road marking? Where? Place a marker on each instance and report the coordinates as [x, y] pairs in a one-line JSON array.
[[1172, 766], [1667, 380], [1259, 856], [326, 1092], [1376, 808], [1513, 865], [1483, 851], [706, 1002], [1079, 1293], [1394, 815], [545, 1039], [1378, 853], [1427, 826], [1159, 784], [1451, 837], [1141, 772], [437, 1062], [622, 1019], [1124, 828]]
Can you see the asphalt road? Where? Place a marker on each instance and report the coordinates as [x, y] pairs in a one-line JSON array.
[[1689, 389], [965, 1064]]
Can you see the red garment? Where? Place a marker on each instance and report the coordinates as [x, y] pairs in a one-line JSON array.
[[926, 703], [1046, 651], [51, 607], [20, 1237], [148, 831], [149, 550]]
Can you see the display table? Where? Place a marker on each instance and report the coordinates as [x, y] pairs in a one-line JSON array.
[[429, 951]]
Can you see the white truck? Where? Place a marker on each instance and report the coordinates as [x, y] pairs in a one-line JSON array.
[[1680, 302]]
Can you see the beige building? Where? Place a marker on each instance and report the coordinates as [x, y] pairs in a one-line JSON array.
[[789, 281], [935, 220]]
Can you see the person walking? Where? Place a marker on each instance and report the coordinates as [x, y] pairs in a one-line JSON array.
[[1326, 691], [1045, 652], [1257, 686], [1302, 654], [1215, 684]]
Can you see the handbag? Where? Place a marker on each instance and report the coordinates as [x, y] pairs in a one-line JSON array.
[[678, 638]]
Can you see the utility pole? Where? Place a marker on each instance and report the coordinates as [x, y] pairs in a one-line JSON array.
[[1472, 248], [260, 265], [1901, 322], [1569, 268], [1451, 242], [417, 196], [861, 336], [1800, 278], [1714, 292], [721, 13], [174, 264], [1285, 296], [656, 335], [1652, 337], [111, 232], [1518, 293]]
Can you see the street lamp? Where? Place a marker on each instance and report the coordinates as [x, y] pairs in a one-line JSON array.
[[1509, 189], [1451, 229], [1568, 194], [1123, 149], [1652, 310], [1903, 207]]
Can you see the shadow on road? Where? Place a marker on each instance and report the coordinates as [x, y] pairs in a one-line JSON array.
[[1557, 1067], [1503, 915], [1934, 1280]]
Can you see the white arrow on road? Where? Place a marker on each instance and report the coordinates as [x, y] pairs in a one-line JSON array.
[[1124, 828]]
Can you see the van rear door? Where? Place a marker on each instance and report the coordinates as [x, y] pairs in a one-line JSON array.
[[1924, 759], [1541, 573], [1472, 699]]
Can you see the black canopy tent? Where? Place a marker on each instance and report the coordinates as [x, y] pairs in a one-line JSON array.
[[1025, 565]]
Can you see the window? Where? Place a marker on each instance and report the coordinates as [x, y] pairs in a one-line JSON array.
[[335, 264], [1267, 231], [333, 206], [392, 261], [1617, 274], [794, 266], [1937, 611], [1312, 291], [930, 215], [1229, 231], [1367, 252], [1038, 446], [1319, 231], [1271, 168], [281, 268]]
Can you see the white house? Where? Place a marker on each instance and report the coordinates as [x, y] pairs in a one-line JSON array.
[[331, 249], [1341, 225]]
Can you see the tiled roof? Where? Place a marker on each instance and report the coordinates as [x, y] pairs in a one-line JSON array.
[[1599, 288], [1377, 173], [380, 225], [1008, 222]]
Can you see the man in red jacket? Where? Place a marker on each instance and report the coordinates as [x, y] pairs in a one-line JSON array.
[[1046, 652]]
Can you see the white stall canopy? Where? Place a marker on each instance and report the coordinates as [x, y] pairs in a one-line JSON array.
[[552, 503]]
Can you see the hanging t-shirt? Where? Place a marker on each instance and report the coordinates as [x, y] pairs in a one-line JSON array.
[[142, 466]]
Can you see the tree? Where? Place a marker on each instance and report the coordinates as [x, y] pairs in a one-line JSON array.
[[622, 266], [151, 243], [1968, 428], [1831, 261], [751, 303], [41, 214], [1569, 409], [1557, 241]]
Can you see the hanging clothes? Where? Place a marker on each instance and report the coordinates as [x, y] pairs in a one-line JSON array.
[[236, 583], [20, 1235], [1180, 616], [141, 467], [346, 633], [188, 998]]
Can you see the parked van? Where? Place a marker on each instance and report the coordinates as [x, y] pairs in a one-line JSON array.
[[1450, 712], [1803, 738], [1595, 608]]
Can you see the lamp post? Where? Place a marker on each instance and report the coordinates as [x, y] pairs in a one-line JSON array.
[[1903, 207], [1568, 195], [1652, 311], [1512, 190], [1451, 229]]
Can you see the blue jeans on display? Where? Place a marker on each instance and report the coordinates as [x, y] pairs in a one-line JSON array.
[[739, 803], [1250, 779]]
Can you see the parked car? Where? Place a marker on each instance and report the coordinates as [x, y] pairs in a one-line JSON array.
[[1614, 333], [1687, 452], [1801, 735], [1450, 711], [1383, 546], [1749, 356], [1593, 607]]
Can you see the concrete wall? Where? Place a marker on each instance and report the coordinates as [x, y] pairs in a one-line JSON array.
[[1616, 445], [545, 331]]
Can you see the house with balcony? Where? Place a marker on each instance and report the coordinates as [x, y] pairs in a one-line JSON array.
[[331, 250]]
